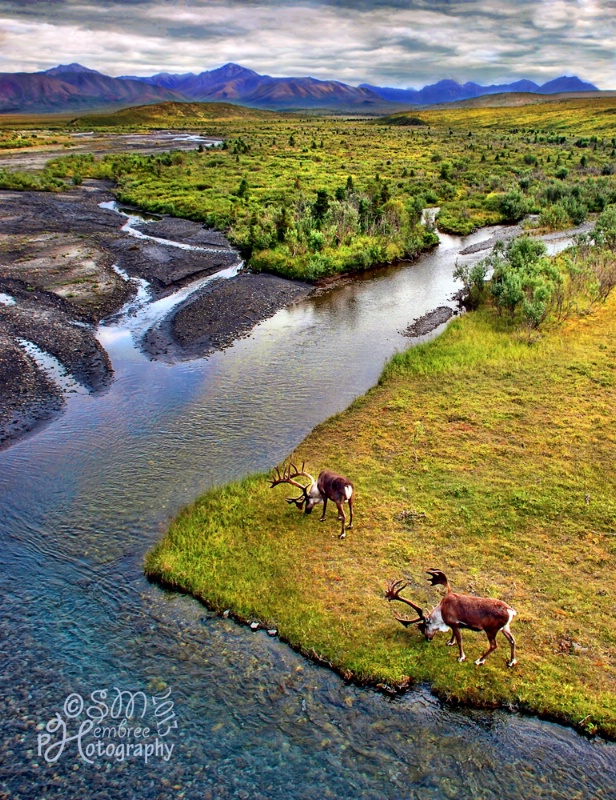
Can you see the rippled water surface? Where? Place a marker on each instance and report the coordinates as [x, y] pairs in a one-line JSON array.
[[83, 500]]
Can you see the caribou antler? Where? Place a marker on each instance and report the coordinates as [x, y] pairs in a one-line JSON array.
[[438, 577], [392, 592], [289, 473]]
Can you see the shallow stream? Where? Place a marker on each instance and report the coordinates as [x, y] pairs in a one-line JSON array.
[[83, 500]]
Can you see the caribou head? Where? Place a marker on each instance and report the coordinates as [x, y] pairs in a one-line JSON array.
[[309, 496]]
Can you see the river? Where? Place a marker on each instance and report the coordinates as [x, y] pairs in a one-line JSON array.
[[82, 501]]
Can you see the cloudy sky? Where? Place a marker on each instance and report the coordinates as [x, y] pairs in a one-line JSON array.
[[384, 42]]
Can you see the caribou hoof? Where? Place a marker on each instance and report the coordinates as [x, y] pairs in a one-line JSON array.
[[349, 526], [479, 662], [342, 535], [451, 644], [462, 658], [321, 519], [512, 663]]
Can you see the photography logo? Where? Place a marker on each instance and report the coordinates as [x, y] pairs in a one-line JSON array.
[[113, 725]]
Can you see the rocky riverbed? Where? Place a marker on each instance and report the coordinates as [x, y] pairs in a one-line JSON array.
[[429, 322], [510, 232], [66, 263], [225, 310]]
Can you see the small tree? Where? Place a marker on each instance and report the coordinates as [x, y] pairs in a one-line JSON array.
[[473, 278], [320, 206]]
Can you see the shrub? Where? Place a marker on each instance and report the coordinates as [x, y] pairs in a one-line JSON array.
[[513, 205], [554, 217], [605, 228]]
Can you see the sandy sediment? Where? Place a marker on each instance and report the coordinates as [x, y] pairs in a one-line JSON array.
[[52, 325]]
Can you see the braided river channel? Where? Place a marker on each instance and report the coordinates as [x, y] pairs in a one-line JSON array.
[[219, 710]]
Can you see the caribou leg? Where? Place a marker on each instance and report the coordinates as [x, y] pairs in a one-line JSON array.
[[458, 636], [324, 509], [482, 659], [513, 660], [341, 517]]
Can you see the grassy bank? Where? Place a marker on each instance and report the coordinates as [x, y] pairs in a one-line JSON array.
[[508, 450]]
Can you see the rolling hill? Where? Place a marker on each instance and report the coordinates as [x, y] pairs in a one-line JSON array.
[[578, 115], [171, 115]]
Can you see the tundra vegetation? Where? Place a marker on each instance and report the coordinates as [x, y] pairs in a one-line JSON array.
[[487, 453], [308, 197]]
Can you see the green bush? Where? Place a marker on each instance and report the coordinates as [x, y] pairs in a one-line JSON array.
[[554, 217], [605, 228]]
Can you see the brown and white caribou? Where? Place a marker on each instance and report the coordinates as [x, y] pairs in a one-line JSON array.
[[328, 486], [456, 611]]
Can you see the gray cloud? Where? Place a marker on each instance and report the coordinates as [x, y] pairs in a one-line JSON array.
[[387, 42]]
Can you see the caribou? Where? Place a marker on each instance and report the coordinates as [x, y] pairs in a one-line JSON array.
[[328, 486], [456, 611]]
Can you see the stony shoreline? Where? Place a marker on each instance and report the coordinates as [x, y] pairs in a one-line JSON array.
[[62, 257], [429, 322], [224, 311]]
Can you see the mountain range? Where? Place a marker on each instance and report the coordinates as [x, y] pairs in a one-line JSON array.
[[72, 87], [448, 91]]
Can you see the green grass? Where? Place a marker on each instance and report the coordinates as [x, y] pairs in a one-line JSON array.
[[480, 165], [580, 115], [515, 475]]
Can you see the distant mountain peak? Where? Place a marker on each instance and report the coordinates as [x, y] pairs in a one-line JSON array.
[[74, 67], [232, 70], [567, 83]]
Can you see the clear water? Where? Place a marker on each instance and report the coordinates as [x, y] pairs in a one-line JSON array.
[[138, 219], [52, 367], [6, 299], [83, 500]]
